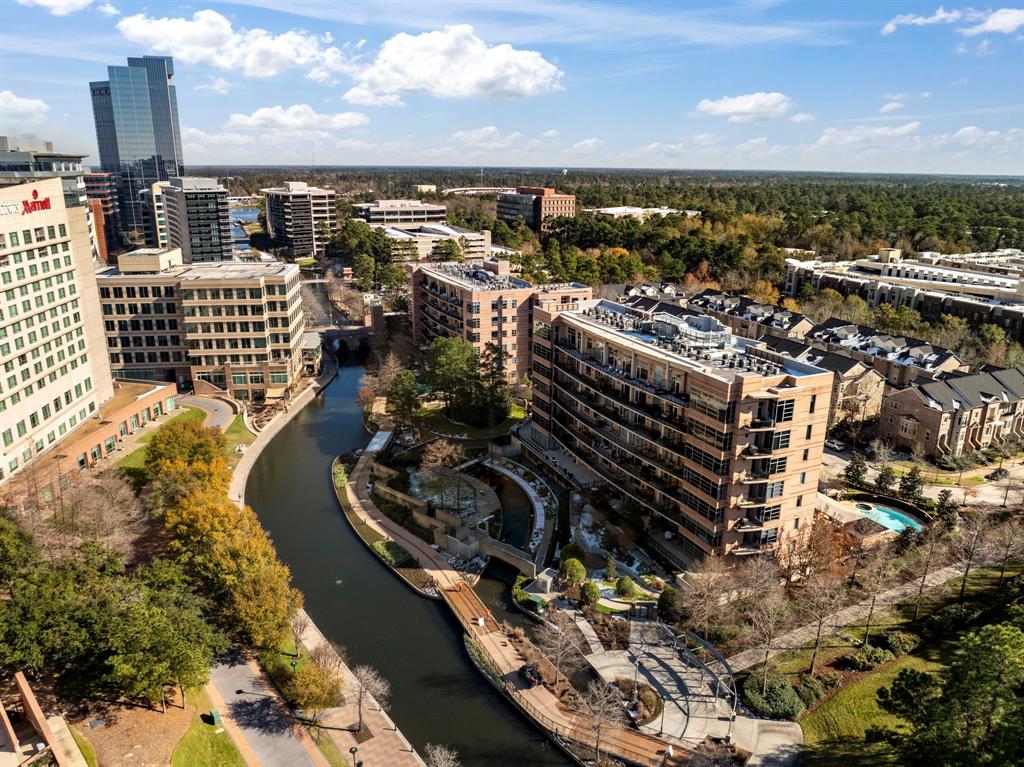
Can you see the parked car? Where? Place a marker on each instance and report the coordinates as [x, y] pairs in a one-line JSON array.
[[997, 474], [530, 674], [835, 444]]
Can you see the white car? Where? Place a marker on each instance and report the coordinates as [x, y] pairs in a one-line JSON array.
[[835, 444]]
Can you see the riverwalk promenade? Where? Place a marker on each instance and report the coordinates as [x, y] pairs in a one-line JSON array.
[[538, 703]]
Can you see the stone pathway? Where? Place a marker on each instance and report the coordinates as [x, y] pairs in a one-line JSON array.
[[850, 616]]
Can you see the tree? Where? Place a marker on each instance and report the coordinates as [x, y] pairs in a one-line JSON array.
[[821, 598], [446, 250], [971, 541], [875, 576], [668, 605], [602, 704], [16, 551], [177, 479], [370, 682], [767, 615], [764, 292], [363, 269], [558, 639], [947, 509], [403, 397], [882, 451], [299, 624], [709, 582], [314, 688], [441, 756], [437, 461], [1008, 544], [856, 469], [624, 587], [930, 549], [610, 573], [572, 571], [388, 370], [885, 480], [590, 593], [101, 507], [911, 484], [971, 715], [183, 440], [450, 368]]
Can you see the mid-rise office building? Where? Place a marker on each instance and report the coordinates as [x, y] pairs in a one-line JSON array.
[[401, 213], [198, 219], [717, 439], [483, 304], [102, 194], [54, 373], [154, 215], [137, 131], [24, 160], [301, 217], [418, 243], [221, 326], [535, 205]]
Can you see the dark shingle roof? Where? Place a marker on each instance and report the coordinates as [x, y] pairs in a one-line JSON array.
[[968, 392], [748, 308]]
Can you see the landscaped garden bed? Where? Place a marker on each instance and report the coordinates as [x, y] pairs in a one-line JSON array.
[[613, 632]]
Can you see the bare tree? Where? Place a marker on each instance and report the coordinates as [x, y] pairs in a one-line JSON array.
[[876, 575], [387, 370], [1009, 544], [709, 582], [299, 624], [970, 543], [883, 451], [439, 457], [104, 508], [329, 655], [930, 548], [603, 704], [441, 756], [754, 577], [815, 551], [370, 682], [821, 598], [559, 641], [767, 615]]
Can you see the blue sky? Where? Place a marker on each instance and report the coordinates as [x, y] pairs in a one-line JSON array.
[[759, 84]]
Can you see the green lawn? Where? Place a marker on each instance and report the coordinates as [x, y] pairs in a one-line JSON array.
[[88, 752], [237, 434], [434, 419], [202, 746]]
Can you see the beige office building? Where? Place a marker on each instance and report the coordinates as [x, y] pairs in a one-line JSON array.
[[54, 377], [401, 213], [417, 243], [227, 326], [297, 214], [716, 439], [483, 304]]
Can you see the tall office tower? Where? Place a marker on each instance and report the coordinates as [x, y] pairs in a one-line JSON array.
[[198, 219], [52, 349], [298, 215], [136, 115]]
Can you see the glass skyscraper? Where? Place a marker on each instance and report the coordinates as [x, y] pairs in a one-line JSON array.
[[136, 115]]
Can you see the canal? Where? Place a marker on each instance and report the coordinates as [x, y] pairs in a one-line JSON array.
[[437, 695]]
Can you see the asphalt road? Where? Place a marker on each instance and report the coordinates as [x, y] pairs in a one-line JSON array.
[[218, 413]]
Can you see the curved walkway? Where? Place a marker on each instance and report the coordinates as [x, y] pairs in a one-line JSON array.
[[218, 412]]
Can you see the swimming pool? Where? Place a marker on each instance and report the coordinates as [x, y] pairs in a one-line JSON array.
[[888, 517]]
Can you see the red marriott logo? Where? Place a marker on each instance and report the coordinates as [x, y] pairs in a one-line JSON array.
[[35, 204]]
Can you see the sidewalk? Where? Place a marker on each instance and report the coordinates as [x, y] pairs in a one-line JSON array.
[[850, 616]]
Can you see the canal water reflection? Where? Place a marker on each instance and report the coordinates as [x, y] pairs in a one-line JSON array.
[[437, 695]]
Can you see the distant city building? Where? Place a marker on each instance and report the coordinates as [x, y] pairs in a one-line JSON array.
[[102, 195], [137, 131], [424, 188], [401, 213], [641, 214], [717, 440], [958, 415], [24, 160], [900, 359], [222, 326], [483, 304], [154, 215], [198, 219], [535, 205], [298, 215], [55, 376], [416, 243], [750, 319]]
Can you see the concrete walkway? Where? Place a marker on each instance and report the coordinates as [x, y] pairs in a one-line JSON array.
[[218, 412], [850, 616]]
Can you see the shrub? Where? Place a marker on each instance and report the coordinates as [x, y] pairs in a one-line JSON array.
[[902, 642], [624, 586], [668, 605], [590, 592], [951, 617], [811, 690], [572, 571], [572, 551], [831, 680], [518, 594], [867, 658], [391, 552], [780, 700]]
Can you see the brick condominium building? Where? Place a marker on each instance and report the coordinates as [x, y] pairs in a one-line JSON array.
[[718, 439], [483, 304], [535, 205]]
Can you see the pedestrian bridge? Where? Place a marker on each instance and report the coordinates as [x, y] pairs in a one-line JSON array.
[[510, 555]]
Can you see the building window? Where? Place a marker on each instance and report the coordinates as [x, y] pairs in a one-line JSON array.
[[810, 428], [814, 401]]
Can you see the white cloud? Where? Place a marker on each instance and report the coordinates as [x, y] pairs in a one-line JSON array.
[[1004, 21], [366, 98], [972, 135], [198, 137], [216, 85], [891, 106], [941, 16], [759, 147], [801, 117], [747, 108], [16, 109], [108, 10], [209, 38], [586, 145], [925, 94], [549, 134], [298, 117], [488, 137], [707, 139], [455, 63], [863, 135], [58, 7]]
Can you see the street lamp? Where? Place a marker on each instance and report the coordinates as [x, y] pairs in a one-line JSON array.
[[636, 668], [355, 762]]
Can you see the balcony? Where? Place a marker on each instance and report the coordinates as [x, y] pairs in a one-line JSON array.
[[755, 476], [761, 423], [747, 502], [622, 375], [749, 523]]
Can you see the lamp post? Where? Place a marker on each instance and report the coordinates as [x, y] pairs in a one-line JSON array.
[[355, 762]]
